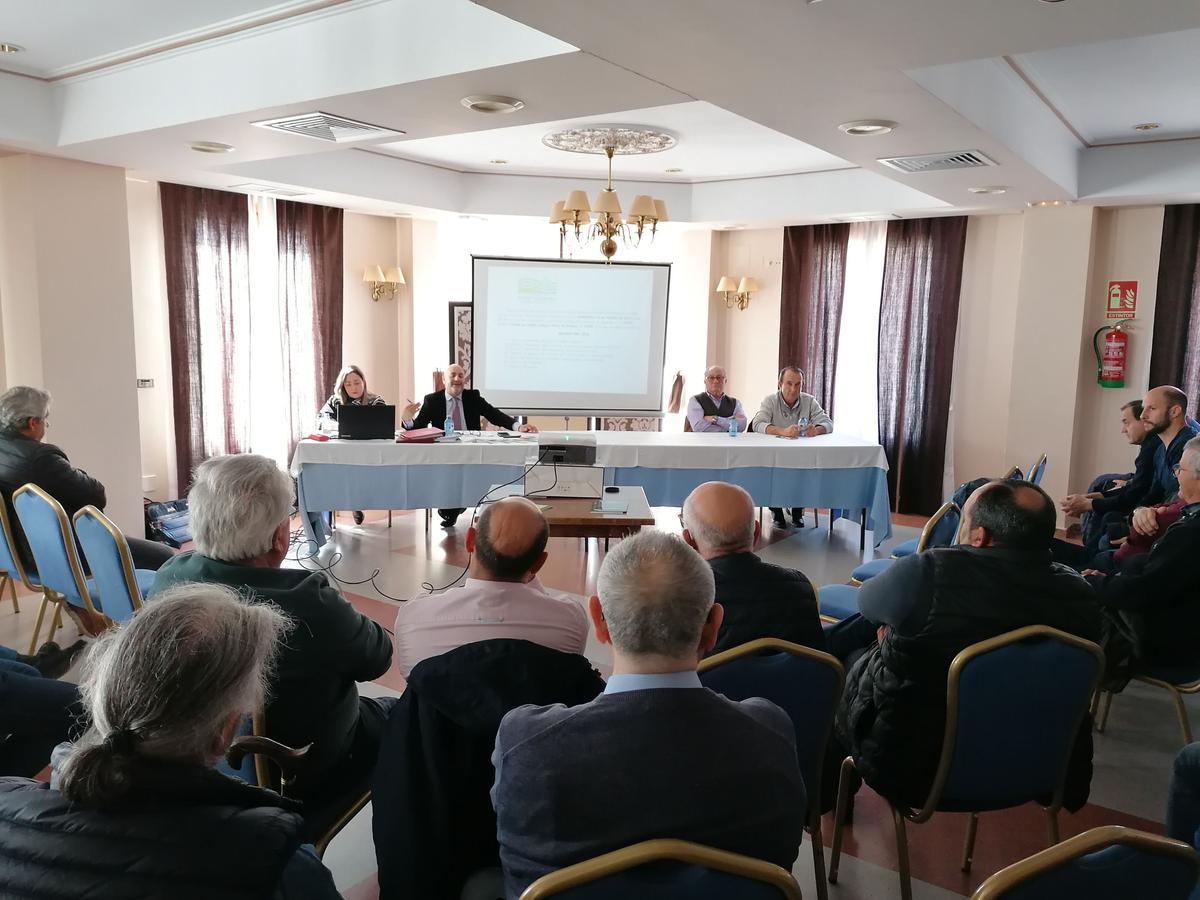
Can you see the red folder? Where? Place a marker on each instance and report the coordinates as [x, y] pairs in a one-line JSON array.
[[419, 435]]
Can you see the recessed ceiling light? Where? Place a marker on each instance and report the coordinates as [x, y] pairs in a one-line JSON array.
[[10, 48], [989, 189], [492, 103], [498, 162], [1146, 126], [211, 147], [862, 127], [1050, 203], [673, 171]]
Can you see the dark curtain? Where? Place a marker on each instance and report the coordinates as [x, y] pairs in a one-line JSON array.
[[1175, 352], [918, 317], [206, 245], [810, 314], [310, 307]]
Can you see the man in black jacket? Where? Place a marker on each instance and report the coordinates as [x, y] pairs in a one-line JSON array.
[[26, 458], [930, 606], [465, 407], [1154, 600], [760, 599]]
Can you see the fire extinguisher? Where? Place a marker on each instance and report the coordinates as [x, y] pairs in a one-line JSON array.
[[1110, 364]]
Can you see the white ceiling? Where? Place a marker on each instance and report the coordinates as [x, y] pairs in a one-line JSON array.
[[712, 144], [1105, 89]]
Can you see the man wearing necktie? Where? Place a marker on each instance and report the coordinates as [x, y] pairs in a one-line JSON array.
[[465, 407]]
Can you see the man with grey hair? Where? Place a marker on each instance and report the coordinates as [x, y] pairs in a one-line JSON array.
[[656, 755], [26, 458], [760, 599], [241, 508], [712, 409], [791, 413]]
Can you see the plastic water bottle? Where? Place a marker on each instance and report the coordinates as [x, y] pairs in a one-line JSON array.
[[732, 426], [803, 423], [448, 426]]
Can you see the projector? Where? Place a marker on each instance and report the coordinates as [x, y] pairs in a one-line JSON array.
[[575, 448]]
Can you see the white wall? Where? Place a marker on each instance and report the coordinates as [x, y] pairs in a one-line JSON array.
[[369, 327]]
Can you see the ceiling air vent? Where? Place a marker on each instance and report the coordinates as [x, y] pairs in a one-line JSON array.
[[326, 127], [938, 162]]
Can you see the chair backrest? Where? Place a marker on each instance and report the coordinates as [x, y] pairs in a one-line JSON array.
[[1107, 863], [1014, 474], [10, 558], [805, 683], [245, 770], [108, 557], [668, 870], [941, 528], [1014, 704], [1037, 470], [48, 531]]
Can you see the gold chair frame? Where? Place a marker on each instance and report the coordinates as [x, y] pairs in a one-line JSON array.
[[49, 595], [998, 885], [131, 585], [752, 648], [1014, 472], [899, 816], [658, 850], [6, 578], [927, 532], [1040, 461], [1176, 691]]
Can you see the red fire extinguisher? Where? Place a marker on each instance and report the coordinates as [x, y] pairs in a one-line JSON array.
[[1110, 364]]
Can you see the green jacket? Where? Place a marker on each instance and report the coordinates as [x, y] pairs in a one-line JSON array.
[[314, 698]]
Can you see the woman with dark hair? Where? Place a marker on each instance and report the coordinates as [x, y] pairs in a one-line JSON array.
[[350, 389], [134, 808]]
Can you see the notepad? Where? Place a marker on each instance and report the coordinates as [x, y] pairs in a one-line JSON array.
[[610, 506]]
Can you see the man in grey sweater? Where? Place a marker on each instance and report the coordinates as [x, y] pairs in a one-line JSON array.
[[656, 755], [791, 413]]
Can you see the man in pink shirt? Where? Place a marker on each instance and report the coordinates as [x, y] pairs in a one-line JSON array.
[[502, 597]]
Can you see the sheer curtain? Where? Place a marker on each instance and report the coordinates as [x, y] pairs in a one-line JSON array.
[[918, 320], [1175, 353], [856, 391]]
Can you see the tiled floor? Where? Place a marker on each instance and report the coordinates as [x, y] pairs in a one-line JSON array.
[[1132, 762]]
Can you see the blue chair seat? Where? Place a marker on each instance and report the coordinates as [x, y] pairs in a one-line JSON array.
[[908, 548], [869, 570], [839, 600]]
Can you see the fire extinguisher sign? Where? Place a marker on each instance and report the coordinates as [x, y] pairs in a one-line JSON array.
[[1122, 299]]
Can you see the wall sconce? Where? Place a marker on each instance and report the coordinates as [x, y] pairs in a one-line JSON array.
[[737, 293], [384, 283]]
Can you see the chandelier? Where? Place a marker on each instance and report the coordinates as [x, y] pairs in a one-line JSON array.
[[575, 213]]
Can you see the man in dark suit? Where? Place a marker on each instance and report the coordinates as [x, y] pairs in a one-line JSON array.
[[656, 755], [465, 407], [760, 599]]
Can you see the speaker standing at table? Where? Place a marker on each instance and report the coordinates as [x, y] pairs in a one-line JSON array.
[[465, 407], [350, 389], [712, 409], [781, 413]]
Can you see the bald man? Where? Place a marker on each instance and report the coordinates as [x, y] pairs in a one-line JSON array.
[[760, 599], [502, 596], [712, 409]]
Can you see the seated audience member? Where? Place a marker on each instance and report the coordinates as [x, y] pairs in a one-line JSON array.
[[759, 599], [712, 409], [928, 607], [1153, 600], [26, 458], [350, 389], [134, 808], [1183, 799], [502, 596], [780, 414], [37, 713], [1165, 413], [240, 507], [1100, 508], [656, 755], [466, 408]]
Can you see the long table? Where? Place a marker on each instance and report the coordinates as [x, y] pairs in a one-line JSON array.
[[831, 471]]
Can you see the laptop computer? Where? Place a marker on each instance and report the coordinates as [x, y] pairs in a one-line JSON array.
[[366, 423]]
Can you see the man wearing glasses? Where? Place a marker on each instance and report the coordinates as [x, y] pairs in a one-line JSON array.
[[712, 409]]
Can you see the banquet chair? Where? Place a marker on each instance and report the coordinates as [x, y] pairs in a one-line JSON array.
[[668, 870], [807, 685], [1107, 863], [11, 568], [1037, 470], [120, 586], [942, 526], [1177, 680], [998, 749]]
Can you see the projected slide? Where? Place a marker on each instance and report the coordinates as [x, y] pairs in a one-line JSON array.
[[553, 336]]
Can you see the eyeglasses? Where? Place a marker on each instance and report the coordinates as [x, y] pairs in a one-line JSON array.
[[1175, 469]]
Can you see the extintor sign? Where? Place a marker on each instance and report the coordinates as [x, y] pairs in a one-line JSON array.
[[1122, 299]]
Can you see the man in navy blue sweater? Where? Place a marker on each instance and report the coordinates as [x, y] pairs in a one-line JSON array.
[[656, 755]]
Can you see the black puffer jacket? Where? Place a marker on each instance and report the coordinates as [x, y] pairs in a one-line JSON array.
[[26, 461], [894, 710]]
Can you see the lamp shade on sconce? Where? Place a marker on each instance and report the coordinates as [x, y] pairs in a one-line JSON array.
[[373, 273], [393, 275], [747, 286], [726, 285]]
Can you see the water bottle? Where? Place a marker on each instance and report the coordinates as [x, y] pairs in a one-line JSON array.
[[803, 423], [448, 426], [733, 426]]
